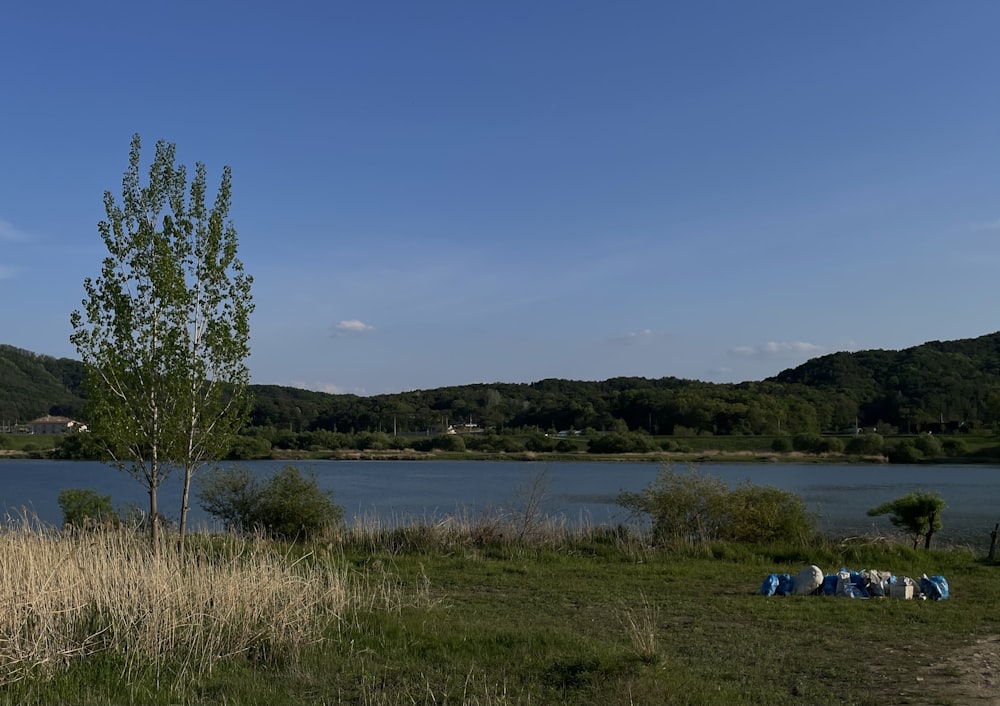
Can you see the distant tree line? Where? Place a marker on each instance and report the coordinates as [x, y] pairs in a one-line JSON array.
[[952, 386]]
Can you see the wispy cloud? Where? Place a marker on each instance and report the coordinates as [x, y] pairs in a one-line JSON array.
[[6, 272], [10, 233], [350, 327], [634, 336], [327, 387], [986, 226], [774, 348]]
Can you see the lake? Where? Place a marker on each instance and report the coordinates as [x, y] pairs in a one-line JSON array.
[[582, 492]]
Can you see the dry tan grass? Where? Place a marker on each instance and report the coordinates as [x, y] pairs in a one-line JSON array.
[[69, 595]]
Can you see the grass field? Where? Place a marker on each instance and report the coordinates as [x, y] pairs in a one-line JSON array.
[[450, 613]]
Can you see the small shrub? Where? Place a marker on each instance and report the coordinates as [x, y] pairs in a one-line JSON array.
[[248, 447], [807, 443], [816, 444], [954, 447], [698, 507], [291, 506], [866, 445], [904, 452], [539, 443], [82, 508], [929, 445], [286, 506], [781, 444], [617, 443]]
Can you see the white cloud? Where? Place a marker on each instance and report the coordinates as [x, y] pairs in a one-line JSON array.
[[352, 326], [634, 336], [772, 348], [6, 272], [317, 386], [9, 232]]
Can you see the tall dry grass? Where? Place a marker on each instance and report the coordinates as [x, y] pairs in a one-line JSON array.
[[64, 596]]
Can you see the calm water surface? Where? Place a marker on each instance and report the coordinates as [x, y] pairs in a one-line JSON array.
[[582, 492]]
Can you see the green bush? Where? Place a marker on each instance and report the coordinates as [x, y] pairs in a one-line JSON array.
[[806, 442], [565, 446], [781, 444], [287, 505], [954, 447], [617, 443], [82, 508], [816, 444], [929, 445], [441, 442], [904, 452], [292, 506], [539, 443], [866, 445], [248, 447], [698, 507]]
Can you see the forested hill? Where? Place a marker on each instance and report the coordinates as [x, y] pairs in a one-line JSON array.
[[32, 385], [956, 382], [953, 380]]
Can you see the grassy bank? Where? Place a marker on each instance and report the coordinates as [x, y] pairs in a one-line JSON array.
[[511, 611]]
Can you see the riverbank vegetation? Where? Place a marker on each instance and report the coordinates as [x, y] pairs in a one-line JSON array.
[[939, 401], [501, 610]]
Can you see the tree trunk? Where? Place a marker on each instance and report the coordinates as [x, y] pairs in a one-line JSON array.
[[930, 530], [154, 520], [188, 472]]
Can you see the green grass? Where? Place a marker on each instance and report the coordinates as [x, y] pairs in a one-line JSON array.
[[29, 444], [595, 618]]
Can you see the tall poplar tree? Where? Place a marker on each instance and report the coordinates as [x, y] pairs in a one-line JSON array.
[[164, 330]]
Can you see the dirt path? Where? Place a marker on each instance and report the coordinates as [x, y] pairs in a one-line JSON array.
[[967, 676]]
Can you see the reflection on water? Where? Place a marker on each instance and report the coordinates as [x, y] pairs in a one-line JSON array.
[[839, 494]]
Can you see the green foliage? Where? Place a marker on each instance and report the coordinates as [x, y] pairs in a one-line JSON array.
[[904, 451], [954, 447], [695, 507], [539, 443], [244, 447], [865, 445], [292, 506], [231, 494], [288, 505], [918, 513], [83, 446], [82, 507], [441, 442], [781, 444], [903, 390], [33, 385], [816, 444], [621, 443], [164, 329], [929, 445]]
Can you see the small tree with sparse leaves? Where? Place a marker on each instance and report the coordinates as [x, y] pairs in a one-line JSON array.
[[917, 513]]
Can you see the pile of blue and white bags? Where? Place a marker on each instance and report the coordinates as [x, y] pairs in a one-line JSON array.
[[811, 581]]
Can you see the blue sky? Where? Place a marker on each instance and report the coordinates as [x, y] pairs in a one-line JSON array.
[[443, 193]]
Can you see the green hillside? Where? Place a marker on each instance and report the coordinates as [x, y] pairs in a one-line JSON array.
[[32, 385], [951, 383]]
